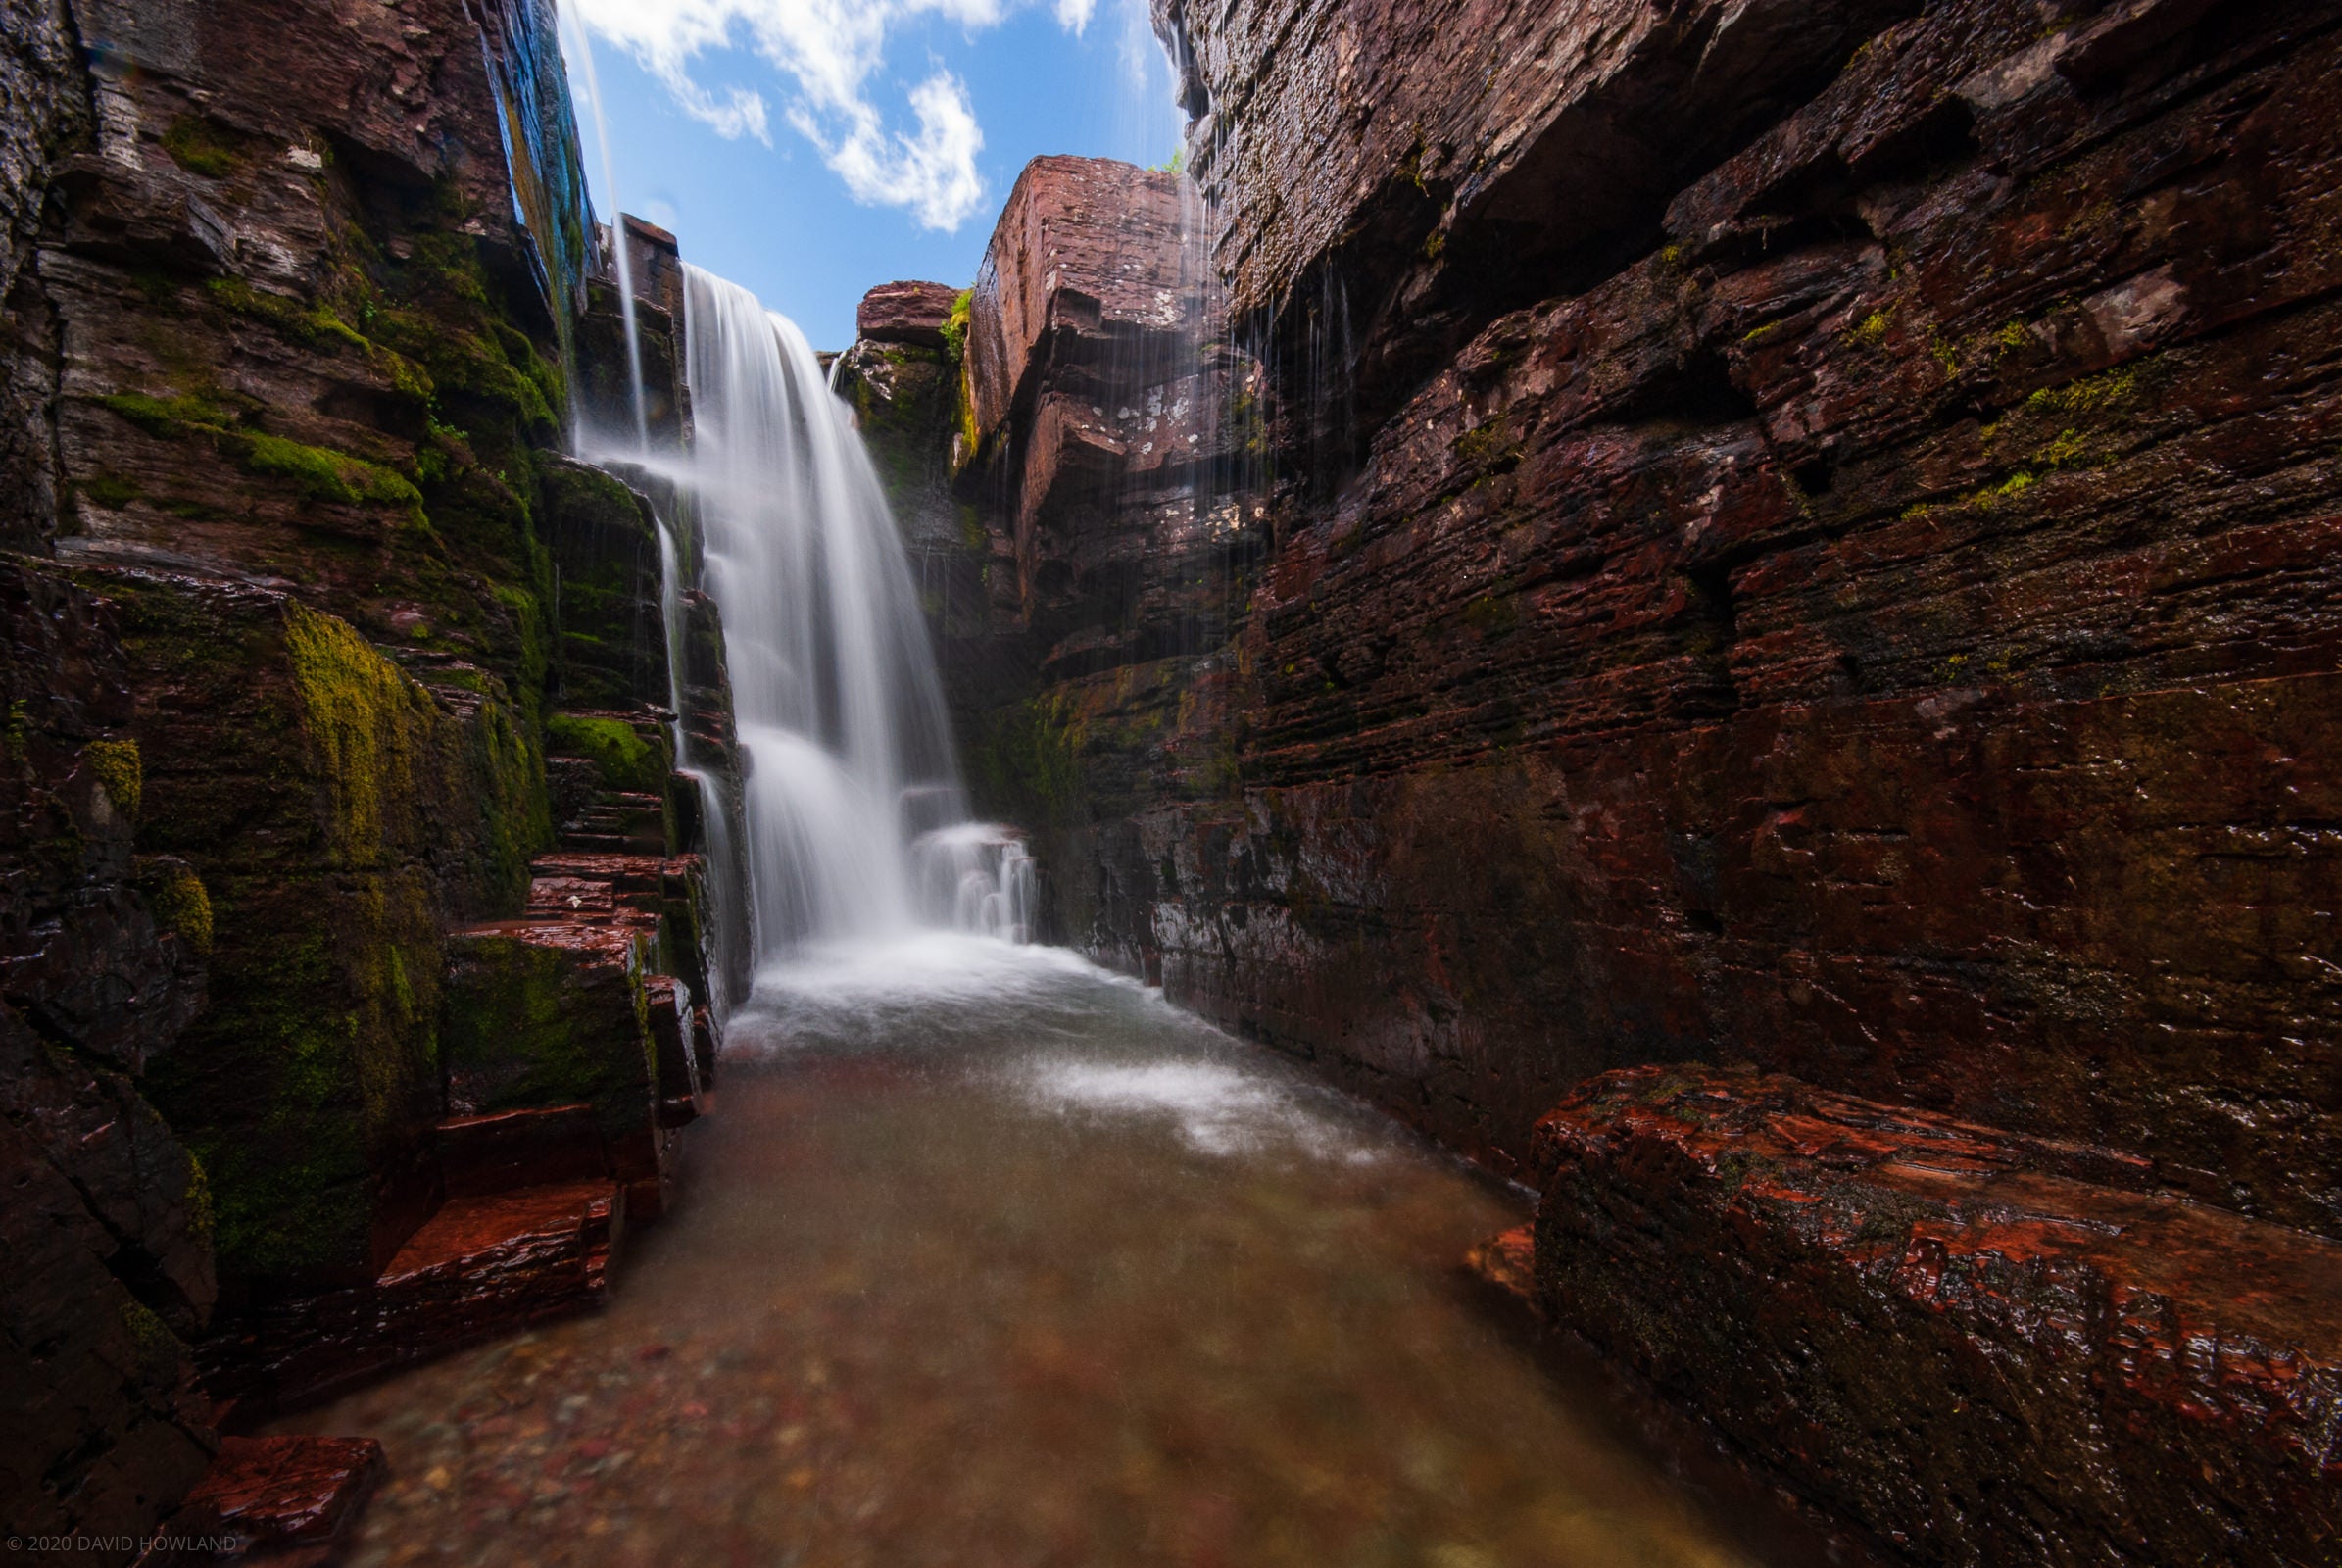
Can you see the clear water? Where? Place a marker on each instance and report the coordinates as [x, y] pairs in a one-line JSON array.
[[989, 1258]]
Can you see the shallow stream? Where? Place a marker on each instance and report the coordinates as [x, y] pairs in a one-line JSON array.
[[989, 1258]]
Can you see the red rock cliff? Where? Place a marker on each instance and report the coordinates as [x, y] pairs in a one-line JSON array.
[[1795, 537]]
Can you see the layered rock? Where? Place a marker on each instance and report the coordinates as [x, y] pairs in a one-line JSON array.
[[1391, 176], [2168, 1372], [1795, 537], [284, 1499], [307, 600], [1077, 569]]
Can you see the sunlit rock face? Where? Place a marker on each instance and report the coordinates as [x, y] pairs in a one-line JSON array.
[[1069, 468]]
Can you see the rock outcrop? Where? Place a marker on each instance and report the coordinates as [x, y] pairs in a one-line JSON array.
[[1813, 1270], [1795, 537]]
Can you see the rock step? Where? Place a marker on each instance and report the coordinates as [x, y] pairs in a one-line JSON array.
[[288, 1500], [484, 1264], [518, 1148], [2054, 1348]]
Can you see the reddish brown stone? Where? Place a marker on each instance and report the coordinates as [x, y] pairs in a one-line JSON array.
[[1087, 263], [1506, 1263], [278, 1496], [907, 312], [1389, 175], [1970, 1344], [517, 1148], [484, 1264]]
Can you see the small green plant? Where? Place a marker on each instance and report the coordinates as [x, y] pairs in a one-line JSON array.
[[956, 326], [199, 147]]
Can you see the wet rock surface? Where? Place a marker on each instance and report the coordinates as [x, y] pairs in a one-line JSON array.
[[286, 1502], [1814, 1268], [105, 1269], [1852, 636]]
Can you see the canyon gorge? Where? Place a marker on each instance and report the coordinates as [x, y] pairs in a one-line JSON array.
[[1727, 610]]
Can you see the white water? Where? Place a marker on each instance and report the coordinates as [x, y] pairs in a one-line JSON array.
[[856, 822]]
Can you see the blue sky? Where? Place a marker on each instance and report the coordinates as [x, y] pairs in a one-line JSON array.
[[811, 149]]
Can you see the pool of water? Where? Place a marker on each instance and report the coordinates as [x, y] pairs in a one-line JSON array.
[[991, 1257]]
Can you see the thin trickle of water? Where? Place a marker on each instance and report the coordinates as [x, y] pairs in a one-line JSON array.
[[853, 797]]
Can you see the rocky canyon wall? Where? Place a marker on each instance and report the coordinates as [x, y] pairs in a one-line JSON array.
[[1758, 538], [359, 963], [1875, 623]]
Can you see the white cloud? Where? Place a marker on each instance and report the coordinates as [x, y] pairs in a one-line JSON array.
[[828, 51]]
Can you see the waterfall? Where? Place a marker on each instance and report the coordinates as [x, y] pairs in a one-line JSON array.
[[855, 820]]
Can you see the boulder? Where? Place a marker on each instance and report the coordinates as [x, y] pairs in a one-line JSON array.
[[912, 313]]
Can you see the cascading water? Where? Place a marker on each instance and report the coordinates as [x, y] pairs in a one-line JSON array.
[[855, 820]]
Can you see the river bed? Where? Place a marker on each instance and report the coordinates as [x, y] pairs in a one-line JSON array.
[[991, 1258]]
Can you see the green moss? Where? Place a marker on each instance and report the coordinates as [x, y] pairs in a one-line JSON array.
[[321, 474], [181, 904], [1491, 445], [510, 785], [624, 758], [536, 1025], [200, 147], [1026, 761], [202, 1211], [157, 1346], [1870, 332], [118, 766], [110, 490], [166, 416], [2087, 395], [362, 716]]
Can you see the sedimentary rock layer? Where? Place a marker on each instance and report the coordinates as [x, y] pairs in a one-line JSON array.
[[2101, 1374], [1882, 630]]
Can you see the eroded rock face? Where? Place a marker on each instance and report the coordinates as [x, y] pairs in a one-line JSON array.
[[1389, 176], [2102, 1374], [106, 1270], [1793, 539], [289, 290], [1845, 638]]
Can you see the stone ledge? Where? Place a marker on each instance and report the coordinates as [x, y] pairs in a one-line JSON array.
[[484, 1264], [286, 1500], [1942, 1335]]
